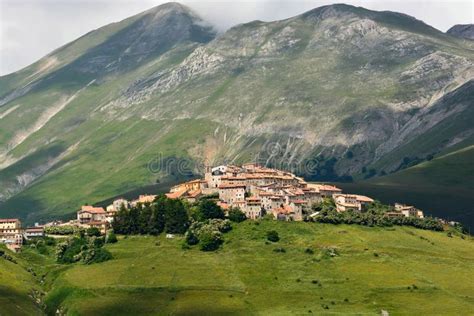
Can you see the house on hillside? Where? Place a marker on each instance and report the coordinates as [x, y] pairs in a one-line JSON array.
[[192, 185], [408, 210], [232, 193], [117, 204], [287, 213], [89, 214], [325, 190], [33, 232], [355, 202], [142, 199], [11, 233], [252, 207], [113, 208]]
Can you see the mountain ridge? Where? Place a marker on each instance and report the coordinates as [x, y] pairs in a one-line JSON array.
[[339, 99], [463, 31]]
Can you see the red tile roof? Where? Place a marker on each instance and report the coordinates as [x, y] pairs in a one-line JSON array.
[[9, 220], [92, 209], [231, 186], [176, 194]]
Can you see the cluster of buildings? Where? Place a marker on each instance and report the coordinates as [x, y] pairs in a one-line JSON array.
[[253, 189], [258, 190], [12, 233]]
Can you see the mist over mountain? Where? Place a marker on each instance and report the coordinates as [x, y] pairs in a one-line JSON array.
[[340, 93]]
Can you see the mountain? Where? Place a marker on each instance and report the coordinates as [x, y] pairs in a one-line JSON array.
[[337, 93], [462, 30]]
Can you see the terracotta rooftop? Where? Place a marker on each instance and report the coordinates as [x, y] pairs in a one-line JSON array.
[[230, 186], [176, 194], [92, 209], [194, 193], [9, 220]]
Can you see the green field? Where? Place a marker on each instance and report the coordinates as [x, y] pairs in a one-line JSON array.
[[374, 269]]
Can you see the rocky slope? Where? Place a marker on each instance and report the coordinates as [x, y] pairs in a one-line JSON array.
[[463, 31], [339, 92]]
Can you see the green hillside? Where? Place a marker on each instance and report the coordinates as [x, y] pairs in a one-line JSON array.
[[337, 93], [441, 187], [400, 269], [16, 287]]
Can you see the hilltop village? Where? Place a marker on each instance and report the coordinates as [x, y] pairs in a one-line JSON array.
[[254, 189]]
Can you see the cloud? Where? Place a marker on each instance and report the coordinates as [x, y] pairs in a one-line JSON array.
[[30, 29]]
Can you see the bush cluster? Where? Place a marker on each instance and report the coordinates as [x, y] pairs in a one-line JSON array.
[[41, 244], [82, 248], [373, 216], [236, 215], [62, 230], [273, 236], [208, 234]]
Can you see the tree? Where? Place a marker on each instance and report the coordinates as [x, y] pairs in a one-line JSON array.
[[273, 236], [209, 239], [176, 217], [120, 221], [111, 238], [208, 209], [236, 215], [93, 231], [133, 226], [144, 219], [157, 221]]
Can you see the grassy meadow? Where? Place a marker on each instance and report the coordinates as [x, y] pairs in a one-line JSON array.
[[348, 269]]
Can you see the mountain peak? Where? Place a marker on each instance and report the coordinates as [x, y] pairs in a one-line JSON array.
[[393, 19], [332, 10], [171, 7], [462, 30]]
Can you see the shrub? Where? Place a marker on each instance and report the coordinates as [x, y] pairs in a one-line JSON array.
[[309, 251], [61, 230], [273, 236], [207, 235], [223, 226], [209, 239], [236, 215], [191, 237], [98, 255], [86, 249], [111, 238], [93, 231]]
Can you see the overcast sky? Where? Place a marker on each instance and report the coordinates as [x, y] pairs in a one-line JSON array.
[[30, 29]]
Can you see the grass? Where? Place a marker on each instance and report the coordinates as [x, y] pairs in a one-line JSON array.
[[400, 269], [16, 286], [294, 85]]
